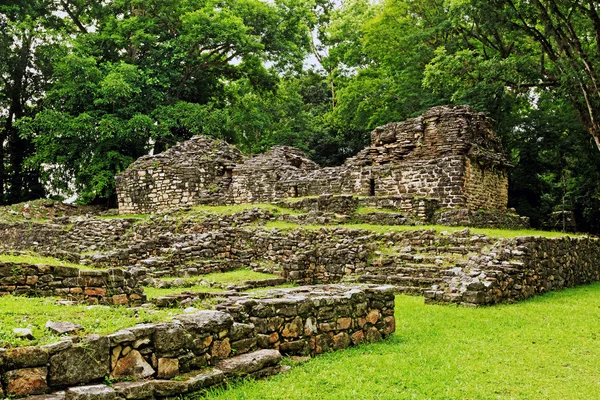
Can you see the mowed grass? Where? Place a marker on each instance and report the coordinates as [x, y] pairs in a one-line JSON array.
[[499, 233], [23, 312], [545, 348]]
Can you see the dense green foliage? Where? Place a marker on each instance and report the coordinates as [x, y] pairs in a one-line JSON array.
[[88, 86], [544, 348]]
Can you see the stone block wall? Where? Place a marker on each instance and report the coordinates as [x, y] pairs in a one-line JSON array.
[[113, 286], [314, 320], [480, 219], [516, 269], [304, 323], [197, 171], [485, 187], [269, 177]]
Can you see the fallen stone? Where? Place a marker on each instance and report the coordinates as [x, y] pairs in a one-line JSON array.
[[61, 328], [24, 333], [249, 363], [133, 365]]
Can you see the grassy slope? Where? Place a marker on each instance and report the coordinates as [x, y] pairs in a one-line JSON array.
[[545, 348], [16, 312]]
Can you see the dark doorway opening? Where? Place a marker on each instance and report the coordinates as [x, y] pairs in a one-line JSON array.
[[295, 191], [371, 187]]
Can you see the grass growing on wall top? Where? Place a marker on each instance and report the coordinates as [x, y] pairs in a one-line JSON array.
[[23, 312], [152, 292], [544, 348], [235, 277], [368, 210], [500, 233], [34, 259]]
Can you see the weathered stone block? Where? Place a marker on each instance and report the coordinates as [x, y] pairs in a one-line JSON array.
[[25, 357], [169, 337], [168, 368], [134, 390], [28, 381], [133, 365], [248, 363], [83, 363], [96, 392]]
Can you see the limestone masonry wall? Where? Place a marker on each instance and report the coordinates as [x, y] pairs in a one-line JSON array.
[[516, 269], [299, 321], [449, 154], [114, 286]]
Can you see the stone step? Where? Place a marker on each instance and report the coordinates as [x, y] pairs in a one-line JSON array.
[[409, 281]]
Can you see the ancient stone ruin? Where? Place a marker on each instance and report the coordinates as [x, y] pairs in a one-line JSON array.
[[445, 167], [449, 156]]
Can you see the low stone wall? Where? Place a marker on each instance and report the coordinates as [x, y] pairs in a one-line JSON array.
[[295, 321], [114, 286], [520, 268], [313, 320]]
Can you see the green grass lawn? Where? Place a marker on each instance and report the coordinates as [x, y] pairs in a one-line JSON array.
[[500, 233], [21, 312], [545, 348]]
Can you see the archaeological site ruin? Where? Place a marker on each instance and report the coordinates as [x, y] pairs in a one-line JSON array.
[[448, 156], [333, 247]]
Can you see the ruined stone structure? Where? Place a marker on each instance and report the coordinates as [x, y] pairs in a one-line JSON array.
[[244, 341], [114, 286], [450, 156]]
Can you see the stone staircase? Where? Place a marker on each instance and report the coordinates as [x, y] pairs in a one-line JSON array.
[[414, 269]]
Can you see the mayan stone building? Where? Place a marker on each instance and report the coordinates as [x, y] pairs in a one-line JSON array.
[[450, 155]]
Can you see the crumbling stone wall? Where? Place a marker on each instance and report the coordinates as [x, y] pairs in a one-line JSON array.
[[113, 286], [519, 268], [486, 187], [295, 321], [314, 320], [259, 179], [197, 171], [449, 154]]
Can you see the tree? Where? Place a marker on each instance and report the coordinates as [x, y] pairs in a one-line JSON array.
[[151, 74]]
